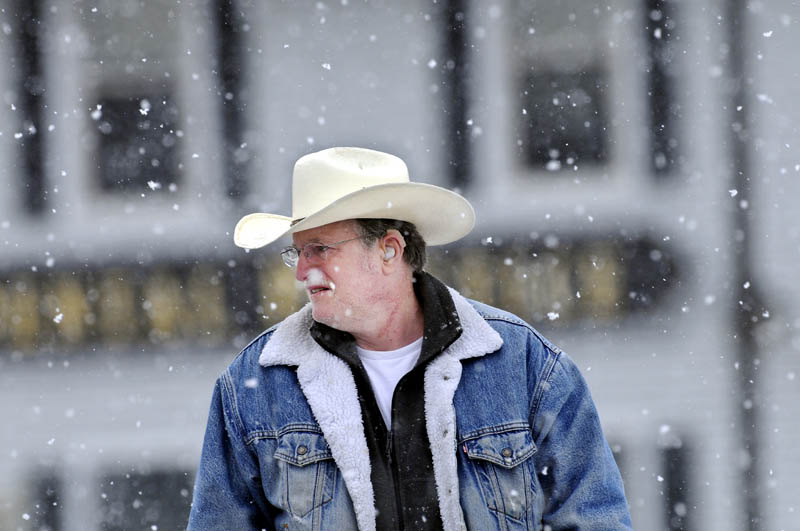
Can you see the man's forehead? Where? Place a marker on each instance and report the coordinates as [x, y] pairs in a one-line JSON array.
[[337, 229]]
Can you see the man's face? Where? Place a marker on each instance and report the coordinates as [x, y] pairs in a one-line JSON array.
[[342, 284]]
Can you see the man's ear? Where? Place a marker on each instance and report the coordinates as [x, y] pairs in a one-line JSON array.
[[392, 245]]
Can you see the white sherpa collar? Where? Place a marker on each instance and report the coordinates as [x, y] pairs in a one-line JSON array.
[[328, 385], [442, 377]]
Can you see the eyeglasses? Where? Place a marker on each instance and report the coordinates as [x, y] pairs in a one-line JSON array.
[[313, 251]]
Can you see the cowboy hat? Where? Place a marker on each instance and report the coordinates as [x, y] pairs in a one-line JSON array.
[[348, 183]]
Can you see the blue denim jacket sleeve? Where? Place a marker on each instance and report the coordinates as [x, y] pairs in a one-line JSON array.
[[580, 480], [227, 493]]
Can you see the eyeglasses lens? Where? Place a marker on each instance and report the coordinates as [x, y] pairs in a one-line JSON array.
[[315, 252], [290, 257]]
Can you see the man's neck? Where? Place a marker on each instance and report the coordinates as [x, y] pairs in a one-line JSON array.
[[441, 325], [402, 323]]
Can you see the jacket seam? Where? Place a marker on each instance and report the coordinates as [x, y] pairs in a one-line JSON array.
[[549, 346], [538, 392], [267, 332], [227, 383], [276, 434], [226, 378], [494, 430]]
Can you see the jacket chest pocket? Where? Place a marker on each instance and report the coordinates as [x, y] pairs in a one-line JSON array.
[[502, 464], [307, 472]]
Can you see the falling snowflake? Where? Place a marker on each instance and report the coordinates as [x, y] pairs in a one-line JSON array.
[[144, 107]]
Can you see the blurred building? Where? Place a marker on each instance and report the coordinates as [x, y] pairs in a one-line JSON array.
[[633, 167]]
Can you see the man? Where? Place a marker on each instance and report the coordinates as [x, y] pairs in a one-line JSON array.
[[390, 401]]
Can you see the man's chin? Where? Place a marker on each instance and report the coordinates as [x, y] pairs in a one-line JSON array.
[[328, 318], [320, 315]]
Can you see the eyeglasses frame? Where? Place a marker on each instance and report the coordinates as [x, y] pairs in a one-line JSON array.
[[298, 251]]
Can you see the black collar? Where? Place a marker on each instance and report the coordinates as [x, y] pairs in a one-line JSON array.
[[440, 322]]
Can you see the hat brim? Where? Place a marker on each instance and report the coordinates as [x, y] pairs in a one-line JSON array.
[[441, 216]]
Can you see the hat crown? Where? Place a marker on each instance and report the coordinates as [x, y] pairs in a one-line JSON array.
[[323, 177], [356, 183]]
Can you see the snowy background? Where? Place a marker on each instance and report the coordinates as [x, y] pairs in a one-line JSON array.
[[634, 165]]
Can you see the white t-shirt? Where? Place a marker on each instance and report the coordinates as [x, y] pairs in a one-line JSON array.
[[385, 368]]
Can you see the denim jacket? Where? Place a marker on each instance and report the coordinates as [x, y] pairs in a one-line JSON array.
[[515, 436]]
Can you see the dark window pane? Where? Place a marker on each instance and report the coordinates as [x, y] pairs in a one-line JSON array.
[[46, 514], [27, 66], [144, 500], [677, 472], [230, 24], [139, 139], [455, 85], [563, 119], [652, 270], [661, 71]]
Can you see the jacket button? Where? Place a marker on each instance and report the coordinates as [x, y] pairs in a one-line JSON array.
[[507, 452], [302, 450]]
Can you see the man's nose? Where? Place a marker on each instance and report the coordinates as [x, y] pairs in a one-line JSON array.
[[301, 271]]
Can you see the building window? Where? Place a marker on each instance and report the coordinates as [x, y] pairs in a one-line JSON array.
[[131, 70], [661, 37], [546, 279], [202, 303], [455, 87], [46, 509], [153, 500], [563, 119], [231, 24], [21, 321], [676, 488], [26, 64], [139, 142], [561, 84]]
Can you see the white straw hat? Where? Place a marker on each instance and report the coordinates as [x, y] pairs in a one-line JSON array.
[[348, 183]]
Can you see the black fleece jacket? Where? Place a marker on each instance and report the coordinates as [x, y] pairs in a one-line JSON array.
[[400, 458]]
